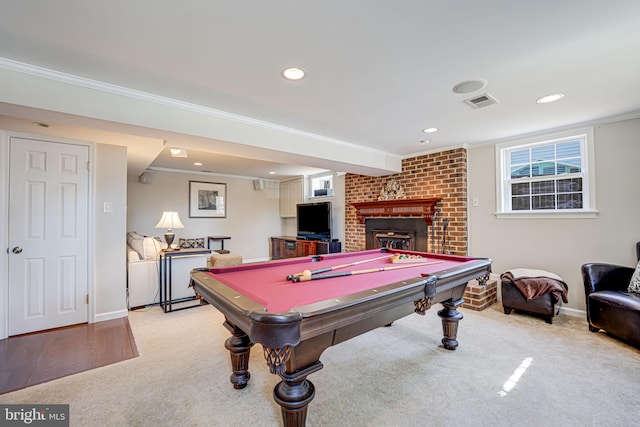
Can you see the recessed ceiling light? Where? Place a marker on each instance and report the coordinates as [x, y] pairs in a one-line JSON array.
[[424, 141], [197, 164], [469, 86], [550, 98], [430, 130], [293, 73], [272, 173], [178, 152]]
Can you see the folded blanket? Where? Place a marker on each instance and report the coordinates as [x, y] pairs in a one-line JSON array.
[[534, 283]]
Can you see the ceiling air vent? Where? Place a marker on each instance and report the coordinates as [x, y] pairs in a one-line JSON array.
[[481, 101]]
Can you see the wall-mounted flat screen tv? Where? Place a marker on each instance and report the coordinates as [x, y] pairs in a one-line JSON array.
[[314, 221]]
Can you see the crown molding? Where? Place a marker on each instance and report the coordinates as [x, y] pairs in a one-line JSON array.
[[46, 73]]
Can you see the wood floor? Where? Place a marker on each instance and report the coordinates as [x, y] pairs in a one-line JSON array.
[[31, 359]]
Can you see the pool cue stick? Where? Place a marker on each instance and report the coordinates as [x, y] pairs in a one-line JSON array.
[[322, 270], [356, 272]]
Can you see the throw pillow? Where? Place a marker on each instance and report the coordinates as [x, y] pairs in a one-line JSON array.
[[634, 284], [135, 241], [152, 247], [191, 243], [147, 247]]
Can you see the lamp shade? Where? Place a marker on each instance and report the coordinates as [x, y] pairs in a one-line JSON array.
[[169, 220]]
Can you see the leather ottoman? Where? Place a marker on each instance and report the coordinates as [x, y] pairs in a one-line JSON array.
[[543, 306]]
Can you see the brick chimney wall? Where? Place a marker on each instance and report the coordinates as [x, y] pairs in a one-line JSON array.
[[441, 174]]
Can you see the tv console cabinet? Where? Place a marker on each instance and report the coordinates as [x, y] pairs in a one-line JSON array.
[[291, 247]]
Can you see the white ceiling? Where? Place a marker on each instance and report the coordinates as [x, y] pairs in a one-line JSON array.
[[378, 71]]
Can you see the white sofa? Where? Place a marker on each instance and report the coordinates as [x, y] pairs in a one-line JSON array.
[[143, 271]]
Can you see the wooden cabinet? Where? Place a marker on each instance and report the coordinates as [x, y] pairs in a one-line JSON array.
[[277, 248], [284, 247], [290, 247], [291, 193], [305, 247]]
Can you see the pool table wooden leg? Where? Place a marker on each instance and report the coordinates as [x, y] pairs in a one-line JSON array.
[[294, 393], [450, 317], [239, 347], [293, 365]]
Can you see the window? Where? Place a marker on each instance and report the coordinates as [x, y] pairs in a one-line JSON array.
[[321, 185], [552, 176]]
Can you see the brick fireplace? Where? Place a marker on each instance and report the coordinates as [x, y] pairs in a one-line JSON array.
[[397, 223], [440, 175], [397, 233]]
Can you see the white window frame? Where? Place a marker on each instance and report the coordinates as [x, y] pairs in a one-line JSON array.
[[503, 176], [315, 180]]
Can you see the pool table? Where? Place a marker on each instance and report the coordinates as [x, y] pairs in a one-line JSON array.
[[295, 321]]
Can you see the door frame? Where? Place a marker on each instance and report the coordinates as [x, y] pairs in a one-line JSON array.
[[5, 137]]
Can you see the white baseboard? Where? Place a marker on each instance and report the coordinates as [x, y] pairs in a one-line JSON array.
[[573, 312], [101, 317]]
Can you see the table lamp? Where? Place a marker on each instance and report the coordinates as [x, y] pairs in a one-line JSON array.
[[169, 220]]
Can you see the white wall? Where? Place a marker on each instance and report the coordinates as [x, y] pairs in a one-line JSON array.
[[563, 245], [252, 216], [110, 299]]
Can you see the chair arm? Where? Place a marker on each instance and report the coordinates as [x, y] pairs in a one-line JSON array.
[[605, 277]]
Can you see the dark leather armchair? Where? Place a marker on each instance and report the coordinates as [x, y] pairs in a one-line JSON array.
[[609, 306]]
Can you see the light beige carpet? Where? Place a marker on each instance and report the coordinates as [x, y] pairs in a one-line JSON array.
[[508, 370]]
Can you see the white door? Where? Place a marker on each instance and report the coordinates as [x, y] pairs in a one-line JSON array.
[[48, 236]]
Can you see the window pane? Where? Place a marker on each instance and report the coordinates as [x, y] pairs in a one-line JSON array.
[[520, 203], [542, 153], [519, 157], [520, 189], [543, 187], [568, 149], [520, 171], [543, 202], [544, 168], [570, 201], [569, 185], [569, 166]]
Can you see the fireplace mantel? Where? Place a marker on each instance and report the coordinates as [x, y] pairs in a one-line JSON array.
[[394, 208]]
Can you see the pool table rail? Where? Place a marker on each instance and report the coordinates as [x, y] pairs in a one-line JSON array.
[[277, 330]]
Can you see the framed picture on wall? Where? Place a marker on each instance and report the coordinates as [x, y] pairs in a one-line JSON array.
[[207, 199]]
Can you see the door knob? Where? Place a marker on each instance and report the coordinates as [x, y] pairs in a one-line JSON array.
[[16, 250]]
